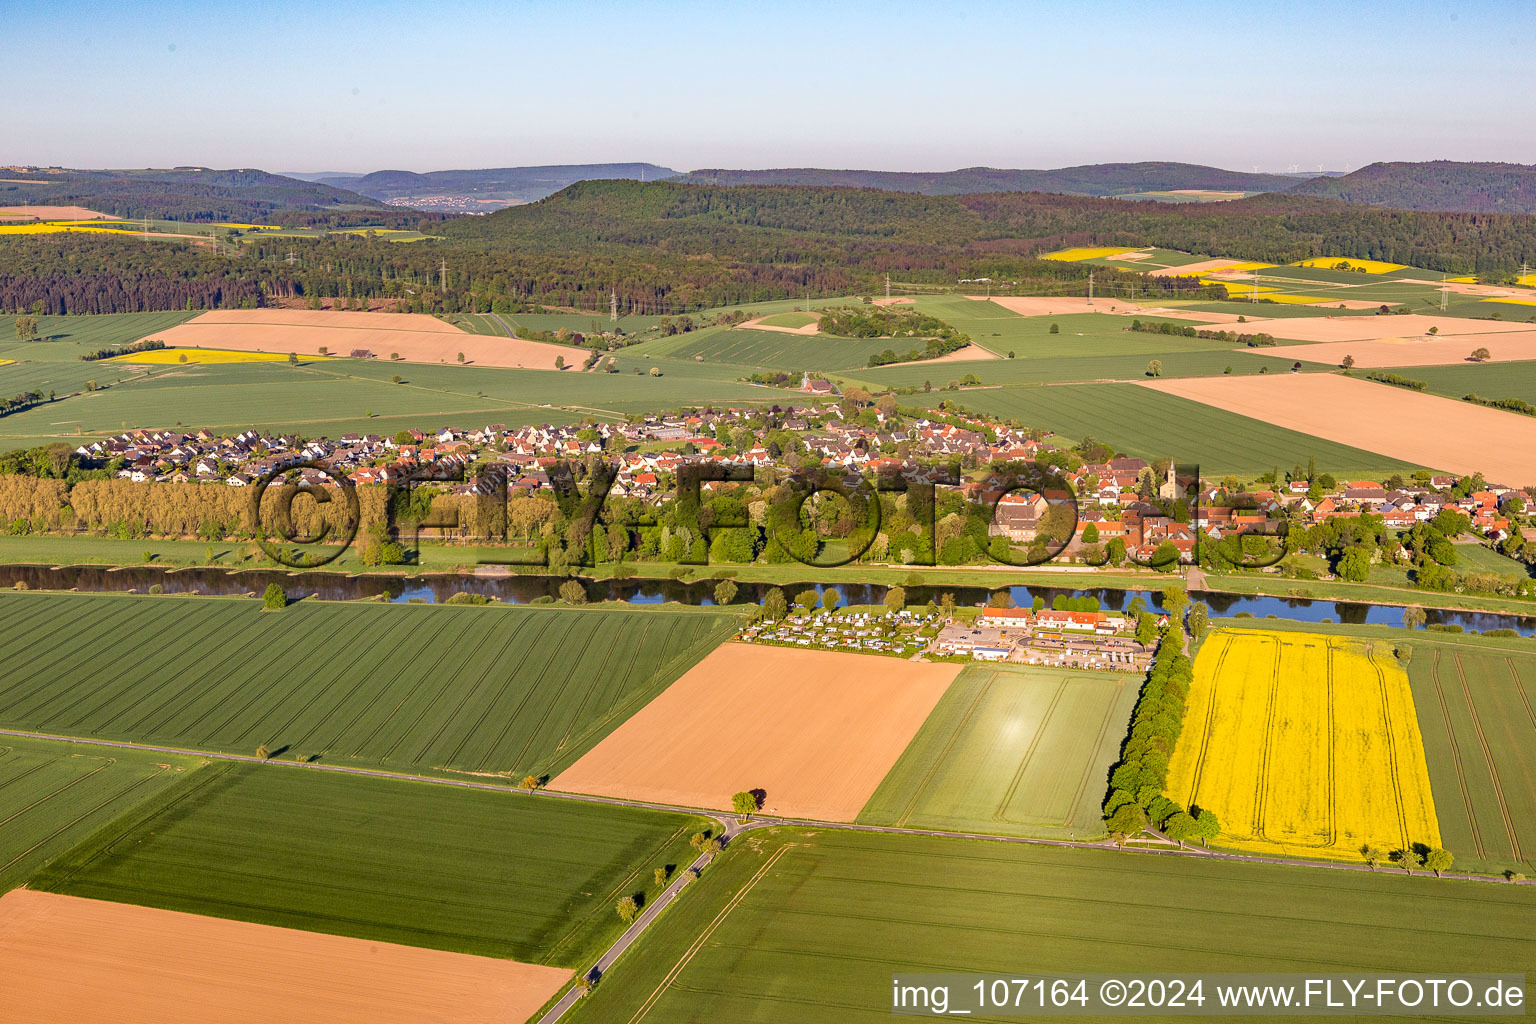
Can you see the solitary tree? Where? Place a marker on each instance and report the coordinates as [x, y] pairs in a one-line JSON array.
[[461, 358], [830, 598], [774, 604], [262, 752], [1348, 362], [1438, 860], [293, 359], [572, 592], [1055, 329], [659, 876], [1155, 368], [627, 908], [1413, 617], [274, 599], [725, 592], [744, 804], [1406, 858], [1206, 825], [1480, 355], [530, 782], [947, 605], [895, 599], [325, 350]]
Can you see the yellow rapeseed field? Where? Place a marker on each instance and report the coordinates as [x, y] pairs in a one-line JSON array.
[[1367, 266], [172, 356], [1516, 302], [53, 227], [1304, 744], [1085, 253]]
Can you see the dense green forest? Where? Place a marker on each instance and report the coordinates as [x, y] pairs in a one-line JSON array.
[[666, 247]]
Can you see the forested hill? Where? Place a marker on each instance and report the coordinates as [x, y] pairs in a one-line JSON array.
[[181, 193], [496, 185], [1087, 180], [878, 231], [1435, 185]]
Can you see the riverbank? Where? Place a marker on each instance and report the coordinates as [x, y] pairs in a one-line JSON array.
[[465, 562]]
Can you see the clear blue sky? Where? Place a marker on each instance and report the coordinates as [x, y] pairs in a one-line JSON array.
[[905, 86]]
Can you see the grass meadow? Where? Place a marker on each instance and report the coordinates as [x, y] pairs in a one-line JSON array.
[[1146, 423], [1012, 750], [54, 795], [494, 874], [420, 688], [808, 926]]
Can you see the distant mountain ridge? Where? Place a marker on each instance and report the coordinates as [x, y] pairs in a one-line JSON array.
[[178, 193], [1086, 180], [1439, 185], [481, 190]]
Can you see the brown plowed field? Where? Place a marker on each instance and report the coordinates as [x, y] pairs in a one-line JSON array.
[[815, 730], [416, 337], [1440, 433], [63, 958]]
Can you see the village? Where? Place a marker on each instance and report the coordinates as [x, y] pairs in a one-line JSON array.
[[1116, 501]]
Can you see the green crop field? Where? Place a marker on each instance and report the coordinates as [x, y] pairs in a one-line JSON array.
[[1013, 750], [415, 687], [53, 795], [1490, 380], [809, 926], [1150, 424], [496, 874], [744, 347], [334, 397], [1476, 715], [1061, 369], [791, 320]]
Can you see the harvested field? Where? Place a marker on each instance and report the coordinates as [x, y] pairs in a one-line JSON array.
[[1371, 328], [1203, 267], [1013, 750], [416, 337], [51, 213], [897, 300], [1511, 346], [815, 730], [788, 324], [969, 353], [1304, 744], [1058, 305], [1417, 428], [65, 958]]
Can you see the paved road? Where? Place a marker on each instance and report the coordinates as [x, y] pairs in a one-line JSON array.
[[504, 325]]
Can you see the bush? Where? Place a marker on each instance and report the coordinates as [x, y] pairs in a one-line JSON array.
[[572, 592]]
